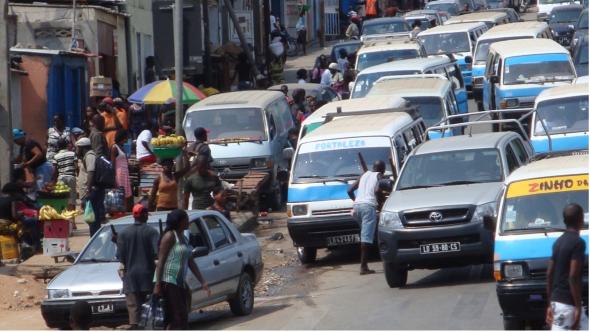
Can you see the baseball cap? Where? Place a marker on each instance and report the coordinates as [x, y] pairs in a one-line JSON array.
[[108, 100], [84, 141], [17, 133], [333, 65], [138, 209]]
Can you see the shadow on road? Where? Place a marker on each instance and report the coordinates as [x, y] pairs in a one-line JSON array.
[[342, 256], [216, 319], [454, 276]]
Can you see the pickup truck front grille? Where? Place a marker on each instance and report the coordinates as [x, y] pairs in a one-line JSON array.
[[331, 212], [437, 217]]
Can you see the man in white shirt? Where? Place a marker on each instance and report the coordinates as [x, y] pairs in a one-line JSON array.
[[143, 152], [365, 208], [327, 74]]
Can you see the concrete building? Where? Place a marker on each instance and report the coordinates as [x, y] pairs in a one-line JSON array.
[[121, 38]]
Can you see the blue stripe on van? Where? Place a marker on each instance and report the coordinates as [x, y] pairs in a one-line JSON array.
[[562, 143], [318, 193], [522, 92], [516, 249], [537, 58], [477, 71]]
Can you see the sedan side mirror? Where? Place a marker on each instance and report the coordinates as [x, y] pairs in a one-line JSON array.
[[71, 257], [200, 252], [489, 223]]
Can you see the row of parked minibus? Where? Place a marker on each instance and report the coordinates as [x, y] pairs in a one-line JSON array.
[[459, 196]]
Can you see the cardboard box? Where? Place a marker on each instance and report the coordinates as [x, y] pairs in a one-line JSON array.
[[54, 247], [101, 86]]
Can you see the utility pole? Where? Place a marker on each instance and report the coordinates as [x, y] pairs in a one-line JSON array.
[[207, 42], [178, 62], [177, 15], [322, 23], [5, 117]]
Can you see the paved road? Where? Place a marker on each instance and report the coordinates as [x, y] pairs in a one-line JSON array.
[[332, 295]]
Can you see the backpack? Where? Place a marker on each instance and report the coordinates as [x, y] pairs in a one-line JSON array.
[[104, 173]]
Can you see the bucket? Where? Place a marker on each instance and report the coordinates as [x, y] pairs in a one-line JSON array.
[[8, 247]]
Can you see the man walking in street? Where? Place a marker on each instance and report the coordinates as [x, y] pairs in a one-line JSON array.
[[564, 275], [137, 248], [97, 139], [90, 192], [365, 208]]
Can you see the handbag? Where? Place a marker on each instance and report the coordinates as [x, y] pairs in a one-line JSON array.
[[89, 217], [152, 314]]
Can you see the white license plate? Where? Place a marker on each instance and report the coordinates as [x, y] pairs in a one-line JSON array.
[[104, 308], [343, 239], [435, 248]]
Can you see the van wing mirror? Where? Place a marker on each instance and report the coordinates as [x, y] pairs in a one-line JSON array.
[[468, 59], [494, 79], [200, 252], [489, 223]]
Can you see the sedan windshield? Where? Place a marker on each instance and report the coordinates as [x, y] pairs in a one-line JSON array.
[[538, 69], [560, 116], [451, 168], [315, 165], [565, 16], [384, 28], [367, 60], [101, 249], [537, 213], [246, 124], [365, 82], [483, 46], [445, 43], [450, 8]]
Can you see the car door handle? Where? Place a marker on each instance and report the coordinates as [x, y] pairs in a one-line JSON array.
[[240, 254], [216, 262]]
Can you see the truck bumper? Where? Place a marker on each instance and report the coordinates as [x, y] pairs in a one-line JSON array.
[[314, 232], [402, 246]]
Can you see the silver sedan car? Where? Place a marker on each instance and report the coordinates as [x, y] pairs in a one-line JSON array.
[[231, 263]]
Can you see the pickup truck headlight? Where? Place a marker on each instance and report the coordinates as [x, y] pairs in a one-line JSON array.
[[509, 103], [513, 271], [57, 293], [390, 220], [488, 209], [261, 163], [299, 210]]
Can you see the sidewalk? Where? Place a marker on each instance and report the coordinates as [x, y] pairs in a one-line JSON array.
[[306, 61]]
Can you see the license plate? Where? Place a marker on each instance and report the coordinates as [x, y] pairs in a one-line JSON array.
[[435, 248], [343, 239], [104, 308]]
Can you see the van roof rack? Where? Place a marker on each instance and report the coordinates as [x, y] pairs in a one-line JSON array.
[[412, 111], [445, 123]]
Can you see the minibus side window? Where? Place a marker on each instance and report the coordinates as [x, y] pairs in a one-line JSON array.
[[400, 148]]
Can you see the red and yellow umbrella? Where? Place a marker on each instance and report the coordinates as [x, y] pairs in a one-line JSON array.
[[164, 92]]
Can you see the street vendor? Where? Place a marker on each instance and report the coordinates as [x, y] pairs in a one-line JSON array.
[[32, 159], [16, 207]]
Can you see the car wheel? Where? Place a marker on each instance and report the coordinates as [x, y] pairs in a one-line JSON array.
[[513, 324], [307, 255], [242, 303], [395, 276]]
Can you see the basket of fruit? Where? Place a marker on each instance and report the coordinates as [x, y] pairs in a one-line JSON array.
[[168, 147]]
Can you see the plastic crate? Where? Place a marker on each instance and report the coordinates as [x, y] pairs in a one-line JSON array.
[[58, 229], [55, 247]]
